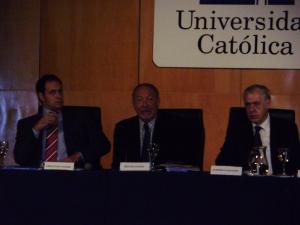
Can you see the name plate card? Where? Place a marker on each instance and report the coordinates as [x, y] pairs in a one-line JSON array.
[[58, 166], [226, 170], [134, 166], [298, 174]]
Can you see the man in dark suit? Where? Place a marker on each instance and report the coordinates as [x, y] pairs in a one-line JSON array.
[[58, 133], [170, 133], [272, 133]]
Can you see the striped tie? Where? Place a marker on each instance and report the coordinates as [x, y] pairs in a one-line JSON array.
[[51, 144]]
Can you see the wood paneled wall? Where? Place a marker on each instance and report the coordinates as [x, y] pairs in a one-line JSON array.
[[101, 49], [19, 64]]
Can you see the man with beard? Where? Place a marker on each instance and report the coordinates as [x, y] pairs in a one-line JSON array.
[[58, 133], [151, 128]]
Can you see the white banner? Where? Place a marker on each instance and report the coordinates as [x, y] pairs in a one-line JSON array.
[[227, 34]]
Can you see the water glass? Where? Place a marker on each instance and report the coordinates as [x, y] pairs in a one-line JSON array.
[[283, 157], [257, 162]]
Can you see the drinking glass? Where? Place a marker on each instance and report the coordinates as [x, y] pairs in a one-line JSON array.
[[257, 162], [253, 161], [3, 151], [283, 157], [153, 151]]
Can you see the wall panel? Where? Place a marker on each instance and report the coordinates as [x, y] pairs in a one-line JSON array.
[[19, 43], [19, 64]]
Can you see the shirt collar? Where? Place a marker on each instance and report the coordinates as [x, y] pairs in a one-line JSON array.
[[46, 110], [264, 125], [151, 123]]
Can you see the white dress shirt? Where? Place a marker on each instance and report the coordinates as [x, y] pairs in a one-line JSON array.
[[265, 139]]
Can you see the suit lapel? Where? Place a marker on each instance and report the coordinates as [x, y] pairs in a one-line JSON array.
[[35, 120], [249, 137], [273, 133], [157, 127], [246, 141], [274, 139], [135, 141], [66, 122]]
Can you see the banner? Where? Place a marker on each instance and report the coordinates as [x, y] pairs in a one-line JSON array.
[[261, 34]]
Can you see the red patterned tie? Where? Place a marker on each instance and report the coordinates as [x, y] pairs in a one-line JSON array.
[[51, 144]]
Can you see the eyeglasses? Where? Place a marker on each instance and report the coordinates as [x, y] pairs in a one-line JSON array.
[[253, 104]]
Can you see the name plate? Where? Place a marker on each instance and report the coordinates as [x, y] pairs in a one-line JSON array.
[[58, 166], [226, 170], [134, 166], [298, 174]]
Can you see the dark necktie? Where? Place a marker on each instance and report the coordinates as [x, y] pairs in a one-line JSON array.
[[257, 139], [146, 143], [51, 144]]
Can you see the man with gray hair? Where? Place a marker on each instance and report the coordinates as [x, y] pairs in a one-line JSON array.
[[260, 129]]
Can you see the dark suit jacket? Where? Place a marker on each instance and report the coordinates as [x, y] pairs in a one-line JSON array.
[[173, 135], [81, 134], [239, 140]]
